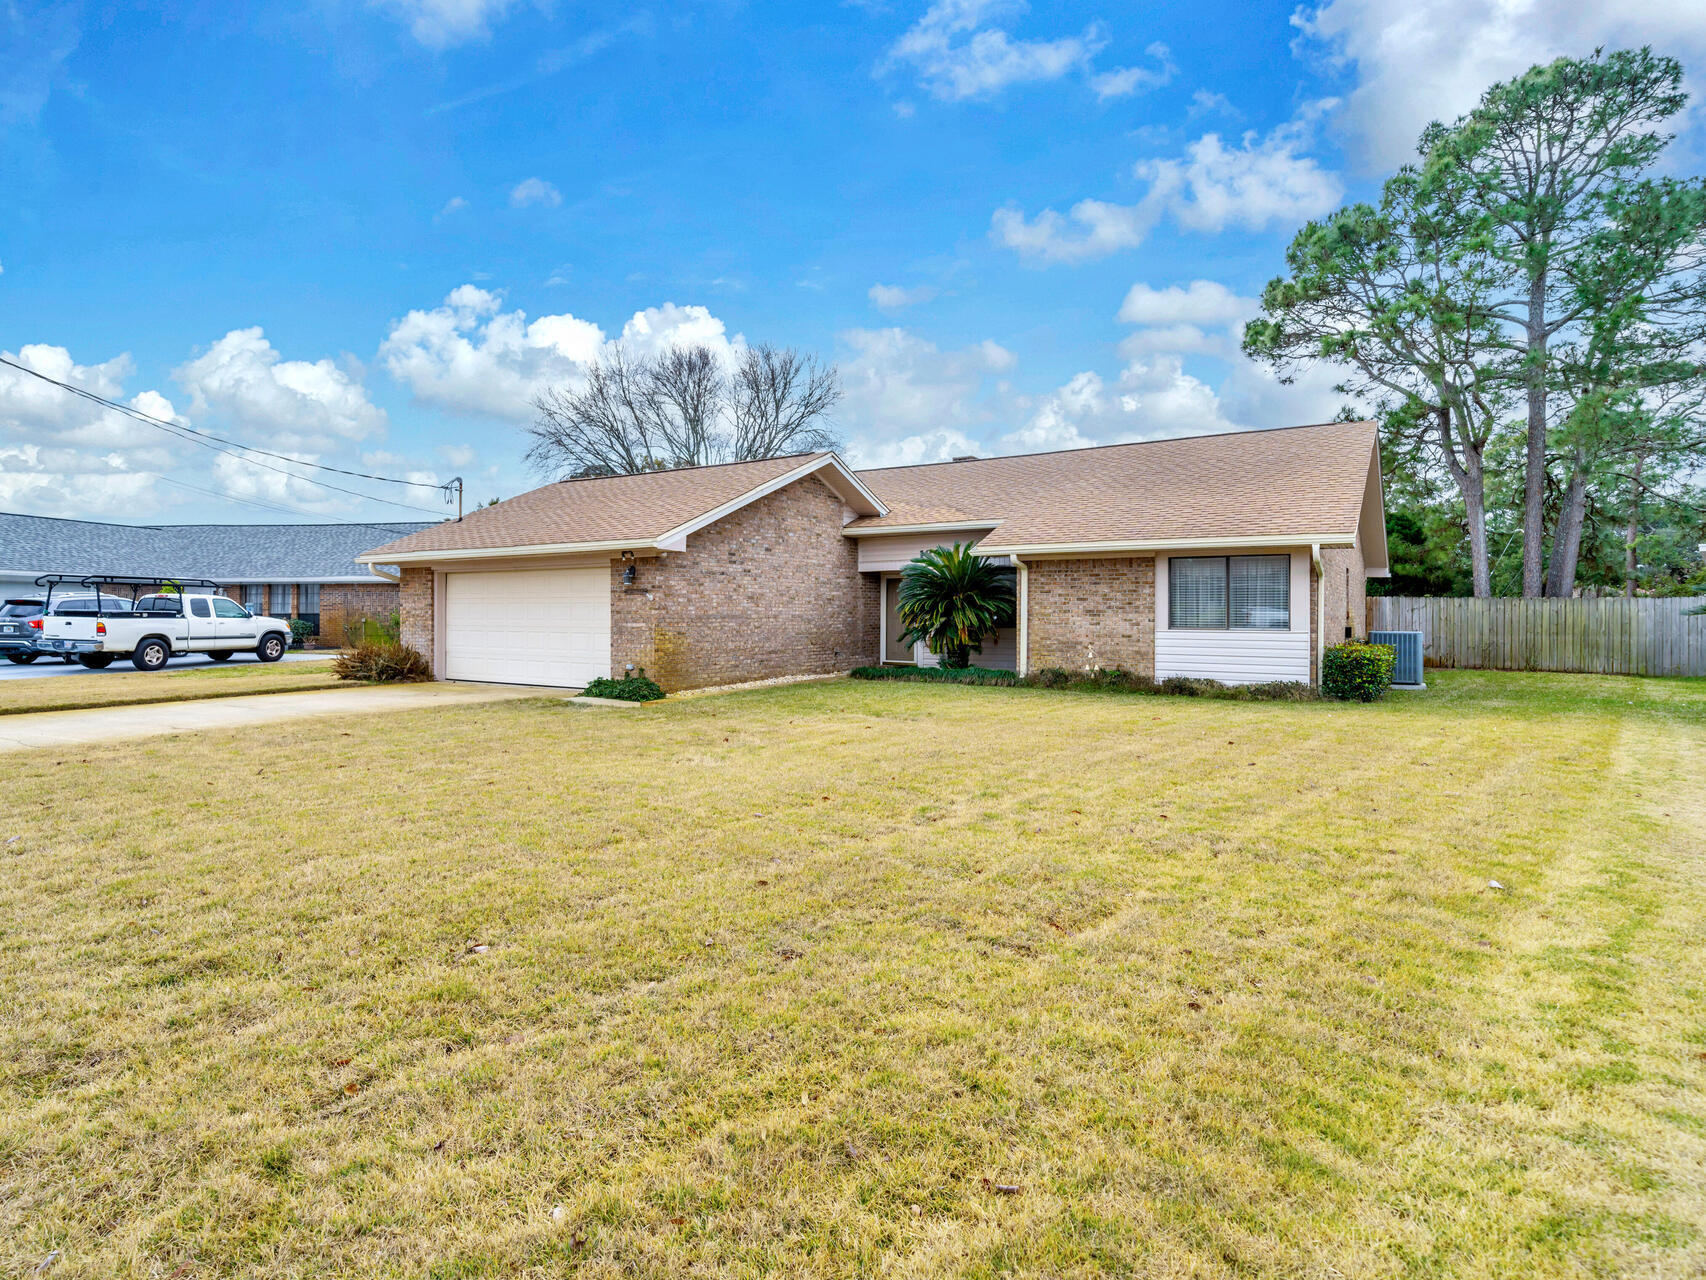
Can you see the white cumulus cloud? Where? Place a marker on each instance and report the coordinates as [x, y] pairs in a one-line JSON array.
[[1414, 61], [1090, 229], [471, 356], [958, 54], [894, 297], [1202, 302], [1253, 184], [63, 455], [1258, 182], [441, 23], [531, 191], [1123, 82], [909, 401], [292, 403]]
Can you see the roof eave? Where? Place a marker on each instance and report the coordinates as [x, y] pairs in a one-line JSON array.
[[842, 481], [937, 526], [1169, 544], [499, 553]]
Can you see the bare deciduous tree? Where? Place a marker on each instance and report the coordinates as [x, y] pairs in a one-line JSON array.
[[686, 403], [779, 403], [605, 428], [681, 408]]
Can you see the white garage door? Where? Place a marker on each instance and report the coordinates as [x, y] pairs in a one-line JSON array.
[[540, 626]]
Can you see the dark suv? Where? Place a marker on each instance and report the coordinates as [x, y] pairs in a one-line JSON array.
[[20, 627]]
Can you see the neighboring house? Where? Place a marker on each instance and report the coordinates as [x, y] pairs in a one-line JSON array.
[[287, 570], [1230, 556]]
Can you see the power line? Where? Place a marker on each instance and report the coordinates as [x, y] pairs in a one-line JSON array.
[[205, 439], [263, 505]]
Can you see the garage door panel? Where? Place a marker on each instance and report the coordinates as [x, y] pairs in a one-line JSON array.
[[540, 626]]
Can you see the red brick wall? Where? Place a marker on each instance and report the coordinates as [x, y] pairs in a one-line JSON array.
[[1092, 613], [341, 605], [772, 590]]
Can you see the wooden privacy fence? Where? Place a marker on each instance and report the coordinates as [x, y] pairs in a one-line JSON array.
[[1610, 636]]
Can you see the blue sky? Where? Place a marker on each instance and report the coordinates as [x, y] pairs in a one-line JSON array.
[[365, 233]]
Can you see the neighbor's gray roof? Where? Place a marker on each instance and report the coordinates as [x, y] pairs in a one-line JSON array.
[[223, 552]]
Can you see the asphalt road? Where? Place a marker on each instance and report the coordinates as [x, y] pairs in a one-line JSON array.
[[46, 666]]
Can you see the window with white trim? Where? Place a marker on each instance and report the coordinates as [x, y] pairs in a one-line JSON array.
[[254, 597], [1229, 593]]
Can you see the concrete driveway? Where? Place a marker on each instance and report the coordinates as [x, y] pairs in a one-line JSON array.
[[99, 725], [48, 666]]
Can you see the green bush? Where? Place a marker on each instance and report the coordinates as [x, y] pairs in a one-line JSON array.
[[300, 630], [938, 675], [385, 663], [638, 687], [1357, 672]]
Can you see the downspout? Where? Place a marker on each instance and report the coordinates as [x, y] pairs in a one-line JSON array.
[[1024, 610], [1320, 607]]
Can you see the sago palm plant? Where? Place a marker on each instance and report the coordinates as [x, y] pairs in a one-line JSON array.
[[953, 599]]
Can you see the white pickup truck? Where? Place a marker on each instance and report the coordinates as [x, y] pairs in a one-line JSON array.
[[155, 628]]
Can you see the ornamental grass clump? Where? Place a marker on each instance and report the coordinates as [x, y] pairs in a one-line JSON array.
[[384, 662]]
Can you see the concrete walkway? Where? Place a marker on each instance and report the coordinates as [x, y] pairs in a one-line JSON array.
[[111, 724]]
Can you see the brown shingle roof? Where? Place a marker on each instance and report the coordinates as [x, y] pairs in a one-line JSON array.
[[1296, 481], [605, 509]]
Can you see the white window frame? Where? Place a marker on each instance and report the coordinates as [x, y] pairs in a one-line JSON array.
[[1226, 562]]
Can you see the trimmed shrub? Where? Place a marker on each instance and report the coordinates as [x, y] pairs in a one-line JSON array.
[[938, 675], [387, 662], [1357, 672], [1102, 679], [638, 687], [300, 630]]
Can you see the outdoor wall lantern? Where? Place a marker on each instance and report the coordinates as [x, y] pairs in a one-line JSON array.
[[629, 569]]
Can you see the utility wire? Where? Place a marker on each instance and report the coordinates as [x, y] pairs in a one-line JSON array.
[[206, 438], [273, 506]]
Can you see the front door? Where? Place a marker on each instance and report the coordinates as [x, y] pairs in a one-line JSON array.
[[893, 649]]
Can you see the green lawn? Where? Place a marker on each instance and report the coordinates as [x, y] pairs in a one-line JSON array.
[[799, 981], [119, 686]]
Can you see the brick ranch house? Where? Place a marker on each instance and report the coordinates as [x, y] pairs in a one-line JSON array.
[[1236, 557], [304, 571]]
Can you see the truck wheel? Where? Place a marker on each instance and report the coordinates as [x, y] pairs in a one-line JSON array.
[[21, 658], [150, 655], [272, 648], [221, 656], [96, 661]]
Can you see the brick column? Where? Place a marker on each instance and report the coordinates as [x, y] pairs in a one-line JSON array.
[[415, 606]]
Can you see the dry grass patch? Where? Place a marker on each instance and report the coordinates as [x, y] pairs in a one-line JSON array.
[[801, 981], [117, 688]]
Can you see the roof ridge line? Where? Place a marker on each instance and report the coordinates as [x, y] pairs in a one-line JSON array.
[[1124, 444], [698, 466]]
